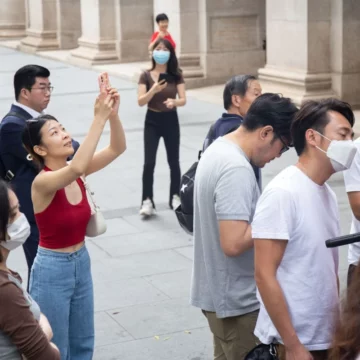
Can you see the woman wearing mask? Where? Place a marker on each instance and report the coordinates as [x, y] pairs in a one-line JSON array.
[[61, 279], [162, 96], [24, 330]]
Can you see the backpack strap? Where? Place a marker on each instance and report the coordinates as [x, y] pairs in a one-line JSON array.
[[7, 174]]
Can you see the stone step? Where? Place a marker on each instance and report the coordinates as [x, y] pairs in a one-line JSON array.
[[189, 60], [193, 72]]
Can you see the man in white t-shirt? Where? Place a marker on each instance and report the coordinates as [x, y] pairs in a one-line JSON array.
[[352, 186], [296, 275]]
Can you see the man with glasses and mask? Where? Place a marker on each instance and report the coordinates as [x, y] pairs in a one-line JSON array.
[[225, 195], [32, 96], [296, 275]]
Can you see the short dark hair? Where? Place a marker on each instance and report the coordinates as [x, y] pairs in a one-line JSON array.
[[161, 17], [314, 115], [26, 76], [274, 110], [237, 85], [4, 211], [31, 136]]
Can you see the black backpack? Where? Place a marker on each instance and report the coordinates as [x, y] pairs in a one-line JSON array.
[[185, 211], [7, 174]]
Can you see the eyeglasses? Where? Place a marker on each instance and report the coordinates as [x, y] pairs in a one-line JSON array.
[[44, 89], [285, 147]]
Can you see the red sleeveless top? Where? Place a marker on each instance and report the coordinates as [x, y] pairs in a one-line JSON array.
[[62, 224]]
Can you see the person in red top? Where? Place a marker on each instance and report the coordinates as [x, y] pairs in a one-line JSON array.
[[163, 23], [61, 281]]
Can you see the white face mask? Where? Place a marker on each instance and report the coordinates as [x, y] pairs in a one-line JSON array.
[[340, 152], [18, 232]]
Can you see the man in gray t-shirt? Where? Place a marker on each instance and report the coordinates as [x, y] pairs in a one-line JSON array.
[[225, 197]]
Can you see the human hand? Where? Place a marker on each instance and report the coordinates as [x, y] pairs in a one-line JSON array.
[[161, 35], [158, 86], [103, 106], [298, 352], [170, 103], [116, 97]]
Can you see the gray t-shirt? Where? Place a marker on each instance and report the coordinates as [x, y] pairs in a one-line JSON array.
[[225, 189]]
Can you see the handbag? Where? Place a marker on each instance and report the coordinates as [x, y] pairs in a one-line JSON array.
[[263, 352], [97, 224]]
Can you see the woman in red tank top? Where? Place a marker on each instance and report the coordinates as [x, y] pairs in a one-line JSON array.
[[60, 278]]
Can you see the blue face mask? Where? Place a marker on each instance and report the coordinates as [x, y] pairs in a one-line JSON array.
[[161, 56]]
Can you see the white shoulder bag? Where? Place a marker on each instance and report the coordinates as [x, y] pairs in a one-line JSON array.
[[97, 224]]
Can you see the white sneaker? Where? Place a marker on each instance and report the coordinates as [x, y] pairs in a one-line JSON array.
[[175, 203], [147, 208]]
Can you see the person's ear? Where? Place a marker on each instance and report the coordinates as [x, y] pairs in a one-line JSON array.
[[312, 137], [236, 100], [25, 93], [40, 150], [266, 132]]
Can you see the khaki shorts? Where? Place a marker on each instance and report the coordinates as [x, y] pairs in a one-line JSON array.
[[234, 336]]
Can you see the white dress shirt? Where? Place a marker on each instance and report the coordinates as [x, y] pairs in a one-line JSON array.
[[29, 110]]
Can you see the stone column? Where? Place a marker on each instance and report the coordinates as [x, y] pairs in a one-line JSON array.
[[68, 23], [231, 38], [183, 27], [42, 30], [345, 50], [298, 49], [12, 19], [97, 44], [134, 26]]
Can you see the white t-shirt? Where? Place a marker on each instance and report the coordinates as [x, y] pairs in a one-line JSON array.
[[352, 183], [294, 208]]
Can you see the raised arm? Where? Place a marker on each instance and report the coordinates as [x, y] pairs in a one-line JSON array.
[[117, 144], [51, 181]]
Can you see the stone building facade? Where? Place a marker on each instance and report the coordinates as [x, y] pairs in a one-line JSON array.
[[312, 46]]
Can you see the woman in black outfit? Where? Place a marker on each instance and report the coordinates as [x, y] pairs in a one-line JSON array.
[[162, 96]]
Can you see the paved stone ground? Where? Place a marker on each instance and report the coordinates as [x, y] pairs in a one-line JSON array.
[[141, 269]]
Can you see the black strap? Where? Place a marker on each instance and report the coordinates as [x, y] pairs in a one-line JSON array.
[[9, 175]]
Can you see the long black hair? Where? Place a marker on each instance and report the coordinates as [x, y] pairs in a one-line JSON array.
[[31, 136], [4, 211], [173, 64]]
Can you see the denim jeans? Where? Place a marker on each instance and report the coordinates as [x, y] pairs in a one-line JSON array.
[[61, 284]]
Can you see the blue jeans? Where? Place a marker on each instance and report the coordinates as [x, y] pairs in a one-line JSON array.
[[61, 284]]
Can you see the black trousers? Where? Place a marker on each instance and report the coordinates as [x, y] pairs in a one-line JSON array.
[[165, 125], [30, 249]]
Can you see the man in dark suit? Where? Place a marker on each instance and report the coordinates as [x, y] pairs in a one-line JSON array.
[[32, 93]]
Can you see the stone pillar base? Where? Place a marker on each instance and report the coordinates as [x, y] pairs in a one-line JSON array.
[[298, 85], [12, 31], [39, 41], [133, 50], [94, 53]]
